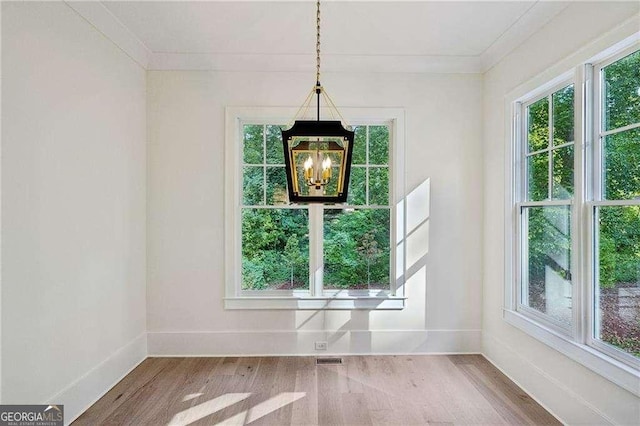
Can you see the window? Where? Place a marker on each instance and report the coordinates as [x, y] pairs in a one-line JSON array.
[[356, 239], [312, 256], [615, 213], [575, 270], [275, 236], [545, 213]]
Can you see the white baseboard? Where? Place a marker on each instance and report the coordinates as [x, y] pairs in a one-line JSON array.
[[340, 342], [552, 394], [85, 391]]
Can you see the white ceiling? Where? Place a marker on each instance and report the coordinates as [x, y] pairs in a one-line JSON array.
[[444, 36]]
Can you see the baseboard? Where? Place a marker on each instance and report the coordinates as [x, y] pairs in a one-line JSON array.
[[340, 342], [553, 395], [85, 391]]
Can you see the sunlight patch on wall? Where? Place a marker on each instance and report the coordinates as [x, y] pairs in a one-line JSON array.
[[400, 240], [418, 205], [418, 225]]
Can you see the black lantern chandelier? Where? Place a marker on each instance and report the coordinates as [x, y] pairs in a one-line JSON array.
[[318, 153]]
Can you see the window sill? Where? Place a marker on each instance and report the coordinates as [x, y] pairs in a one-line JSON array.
[[611, 369], [316, 303]]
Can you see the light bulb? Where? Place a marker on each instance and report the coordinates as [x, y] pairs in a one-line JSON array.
[[326, 163]]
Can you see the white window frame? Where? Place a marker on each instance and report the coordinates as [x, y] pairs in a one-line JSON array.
[[520, 169], [577, 342], [313, 298], [595, 199]]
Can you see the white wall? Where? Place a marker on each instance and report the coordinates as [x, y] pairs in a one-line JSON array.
[[73, 208], [572, 392], [73, 214], [0, 209], [186, 112]]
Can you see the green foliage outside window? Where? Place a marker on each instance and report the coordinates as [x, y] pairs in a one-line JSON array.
[[275, 241], [618, 227], [622, 94], [275, 249], [619, 245], [550, 176], [356, 249]]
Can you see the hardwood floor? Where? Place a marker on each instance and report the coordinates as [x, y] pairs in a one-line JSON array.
[[364, 390]]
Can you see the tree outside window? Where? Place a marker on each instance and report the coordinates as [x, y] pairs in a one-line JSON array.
[[277, 236], [549, 215], [617, 210]]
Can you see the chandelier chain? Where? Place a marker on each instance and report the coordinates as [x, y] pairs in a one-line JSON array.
[[318, 41]]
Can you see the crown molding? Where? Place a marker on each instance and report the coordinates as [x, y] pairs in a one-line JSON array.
[[536, 17], [305, 63], [111, 27], [96, 14]]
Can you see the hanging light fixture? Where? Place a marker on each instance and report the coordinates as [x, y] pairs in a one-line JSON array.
[[318, 153]]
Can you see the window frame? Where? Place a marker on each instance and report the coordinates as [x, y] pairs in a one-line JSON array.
[[521, 191], [299, 299], [579, 341], [595, 200]]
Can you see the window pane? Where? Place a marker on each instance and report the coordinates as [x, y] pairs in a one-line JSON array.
[[359, 145], [538, 132], [275, 150], [356, 249], [275, 249], [538, 177], [563, 116], [618, 292], [277, 186], [252, 185], [379, 186], [378, 145], [621, 175], [563, 173], [547, 283], [622, 92], [252, 148], [357, 186]]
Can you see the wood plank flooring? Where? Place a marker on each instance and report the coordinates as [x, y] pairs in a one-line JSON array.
[[364, 390]]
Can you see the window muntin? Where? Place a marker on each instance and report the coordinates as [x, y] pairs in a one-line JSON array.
[[264, 180], [604, 333], [615, 214], [357, 240], [545, 222], [278, 239], [607, 216], [370, 167], [549, 143], [275, 236]]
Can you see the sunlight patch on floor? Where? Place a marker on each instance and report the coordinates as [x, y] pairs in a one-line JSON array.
[[264, 408], [207, 408], [191, 396]]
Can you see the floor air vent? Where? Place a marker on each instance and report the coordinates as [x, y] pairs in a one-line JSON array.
[[328, 361]]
